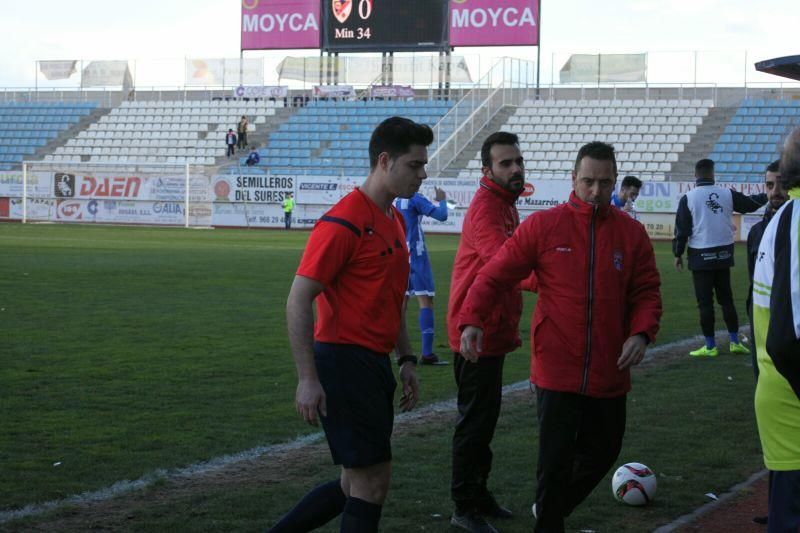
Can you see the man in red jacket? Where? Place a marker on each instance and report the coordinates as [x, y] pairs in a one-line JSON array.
[[599, 306], [491, 219]]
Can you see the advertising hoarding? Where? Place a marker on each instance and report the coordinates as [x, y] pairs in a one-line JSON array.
[[493, 23], [280, 24]]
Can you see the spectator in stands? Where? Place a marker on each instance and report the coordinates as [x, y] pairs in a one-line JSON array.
[[230, 142], [628, 193], [490, 220], [776, 311], [420, 281], [599, 307], [288, 207], [253, 158], [704, 221], [241, 132], [355, 266]]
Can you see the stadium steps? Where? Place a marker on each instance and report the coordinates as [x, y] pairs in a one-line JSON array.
[[468, 153], [71, 132], [702, 142], [260, 137]]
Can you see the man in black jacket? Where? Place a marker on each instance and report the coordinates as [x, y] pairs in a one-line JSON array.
[[776, 197]]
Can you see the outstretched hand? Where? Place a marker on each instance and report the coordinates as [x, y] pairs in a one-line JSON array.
[[632, 352], [471, 343], [310, 400], [410, 382]]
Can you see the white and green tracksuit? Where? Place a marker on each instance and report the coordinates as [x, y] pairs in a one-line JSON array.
[[776, 317]]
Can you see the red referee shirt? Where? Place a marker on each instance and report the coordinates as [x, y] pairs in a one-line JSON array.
[[359, 254]]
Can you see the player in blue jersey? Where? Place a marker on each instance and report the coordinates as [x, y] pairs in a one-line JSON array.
[[628, 193], [420, 279]]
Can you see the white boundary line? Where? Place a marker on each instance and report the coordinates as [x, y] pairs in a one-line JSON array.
[[219, 463], [710, 506]]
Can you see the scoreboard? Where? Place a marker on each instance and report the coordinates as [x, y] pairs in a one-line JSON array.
[[384, 25]]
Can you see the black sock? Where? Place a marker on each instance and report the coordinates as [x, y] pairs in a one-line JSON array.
[[321, 505], [360, 516]]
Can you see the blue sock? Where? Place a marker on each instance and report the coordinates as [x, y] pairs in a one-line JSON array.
[[710, 342], [426, 327], [734, 336]]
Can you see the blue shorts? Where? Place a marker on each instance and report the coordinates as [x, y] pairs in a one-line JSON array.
[[359, 388], [420, 280]]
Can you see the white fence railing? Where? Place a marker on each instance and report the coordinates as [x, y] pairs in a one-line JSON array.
[[509, 82]]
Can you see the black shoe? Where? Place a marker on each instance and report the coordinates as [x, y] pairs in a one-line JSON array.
[[763, 520], [488, 506], [472, 521], [432, 359]]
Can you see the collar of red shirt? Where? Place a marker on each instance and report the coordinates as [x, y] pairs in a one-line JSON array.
[[508, 196], [585, 208]]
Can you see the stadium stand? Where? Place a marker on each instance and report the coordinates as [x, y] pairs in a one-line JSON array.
[[165, 132], [752, 138], [26, 127], [331, 136], [648, 134]]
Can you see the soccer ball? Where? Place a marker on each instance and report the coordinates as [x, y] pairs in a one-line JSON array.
[[634, 484]]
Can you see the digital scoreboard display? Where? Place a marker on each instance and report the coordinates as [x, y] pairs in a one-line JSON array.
[[384, 25]]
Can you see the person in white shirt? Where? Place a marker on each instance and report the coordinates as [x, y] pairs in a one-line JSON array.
[[704, 222]]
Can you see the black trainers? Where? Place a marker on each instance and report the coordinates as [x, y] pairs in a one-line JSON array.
[[432, 359], [472, 521], [488, 506]]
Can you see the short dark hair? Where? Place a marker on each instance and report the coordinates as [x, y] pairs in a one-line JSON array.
[[790, 160], [498, 137], [596, 150], [395, 136], [704, 168], [631, 181], [775, 166]]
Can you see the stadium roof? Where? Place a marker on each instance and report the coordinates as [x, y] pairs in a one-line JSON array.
[[788, 67]]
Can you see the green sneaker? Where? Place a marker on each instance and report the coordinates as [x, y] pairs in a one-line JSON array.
[[705, 352], [738, 347]]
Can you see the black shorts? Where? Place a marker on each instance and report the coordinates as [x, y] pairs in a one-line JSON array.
[[359, 388]]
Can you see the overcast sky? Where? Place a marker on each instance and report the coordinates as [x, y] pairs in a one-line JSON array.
[[168, 31]]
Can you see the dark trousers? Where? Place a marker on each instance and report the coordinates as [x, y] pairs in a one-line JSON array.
[[287, 219], [579, 441], [784, 501], [231, 149], [706, 284], [480, 388], [242, 141]]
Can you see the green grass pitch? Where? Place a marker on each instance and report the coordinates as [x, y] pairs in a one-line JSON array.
[[125, 350]]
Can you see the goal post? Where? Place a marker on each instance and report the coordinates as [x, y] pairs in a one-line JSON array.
[[114, 193]]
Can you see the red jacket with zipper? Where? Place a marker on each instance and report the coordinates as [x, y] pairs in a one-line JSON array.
[[598, 285], [491, 219]]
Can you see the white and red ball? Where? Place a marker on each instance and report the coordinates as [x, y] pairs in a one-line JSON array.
[[634, 484]]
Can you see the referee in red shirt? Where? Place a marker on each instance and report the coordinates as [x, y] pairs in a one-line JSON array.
[[355, 266]]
